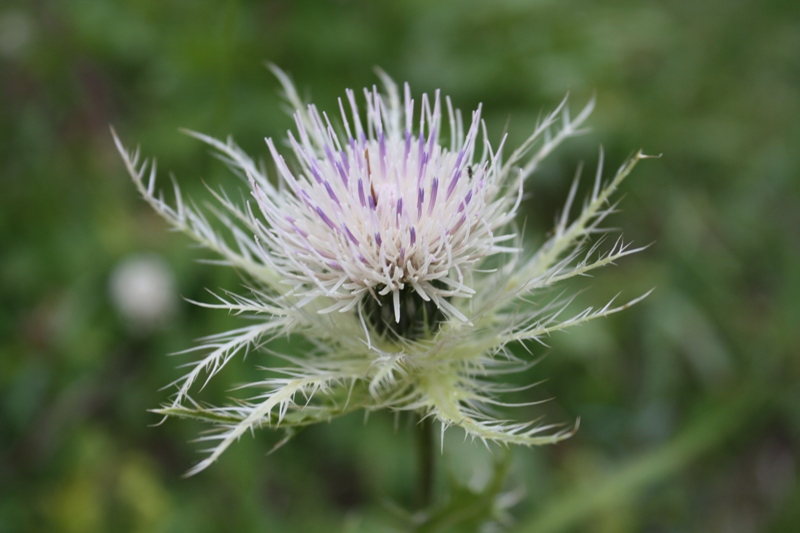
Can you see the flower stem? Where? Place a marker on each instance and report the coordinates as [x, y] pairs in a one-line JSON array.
[[425, 444]]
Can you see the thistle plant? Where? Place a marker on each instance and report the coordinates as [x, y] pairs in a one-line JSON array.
[[391, 247]]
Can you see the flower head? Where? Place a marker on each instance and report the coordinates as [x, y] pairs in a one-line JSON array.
[[392, 247]]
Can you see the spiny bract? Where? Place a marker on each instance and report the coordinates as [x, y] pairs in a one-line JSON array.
[[396, 255]]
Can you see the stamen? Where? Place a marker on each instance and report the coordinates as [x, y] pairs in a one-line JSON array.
[[332, 194], [434, 190], [361, 193], [325, 218]]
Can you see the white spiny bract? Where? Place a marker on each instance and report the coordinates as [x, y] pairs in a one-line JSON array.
[[373, 219]]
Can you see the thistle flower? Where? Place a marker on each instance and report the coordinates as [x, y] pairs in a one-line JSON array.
[[396, 255]]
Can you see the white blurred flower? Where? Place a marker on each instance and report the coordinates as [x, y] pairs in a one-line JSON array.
[[16, 31], [142, 289], [396, 254]]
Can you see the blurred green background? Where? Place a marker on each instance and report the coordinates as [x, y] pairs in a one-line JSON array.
[[689, 402]]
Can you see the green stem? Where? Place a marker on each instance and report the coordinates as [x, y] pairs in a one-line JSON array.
[[426, 458]]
